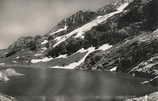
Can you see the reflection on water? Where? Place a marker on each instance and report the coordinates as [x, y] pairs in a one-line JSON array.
[[72, 85], [72, 98]]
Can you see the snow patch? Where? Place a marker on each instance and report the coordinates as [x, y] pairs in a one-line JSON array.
[[104, 47], [82, 50], [37, 55], [44, 42], [2, 64], [80, 35], [62, 56], [14, 61], [113, 69], [60, 30], [75, 64], [17, 57], [46, 59], [99, 17], [145, 82], [81, 30]]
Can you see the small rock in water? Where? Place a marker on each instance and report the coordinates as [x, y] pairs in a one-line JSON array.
[[12, 72], [2, 64]]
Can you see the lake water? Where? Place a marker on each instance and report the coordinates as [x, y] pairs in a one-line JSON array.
[[73, 85]]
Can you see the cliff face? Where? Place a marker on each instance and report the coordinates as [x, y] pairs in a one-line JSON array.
[[137, 53], [127, 56]]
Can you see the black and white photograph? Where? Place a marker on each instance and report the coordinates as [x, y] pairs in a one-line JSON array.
[[78, 50]]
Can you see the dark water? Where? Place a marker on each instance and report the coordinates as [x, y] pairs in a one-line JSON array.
[[72, 85]]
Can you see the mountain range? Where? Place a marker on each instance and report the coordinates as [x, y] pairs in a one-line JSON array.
[[120, 37]]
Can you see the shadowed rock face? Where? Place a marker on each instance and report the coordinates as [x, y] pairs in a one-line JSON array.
[[125, 55], [133, 25], [133, 21], [20, 44], [74, 21]]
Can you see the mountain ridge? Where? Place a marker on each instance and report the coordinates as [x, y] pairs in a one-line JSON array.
[[119, 37]]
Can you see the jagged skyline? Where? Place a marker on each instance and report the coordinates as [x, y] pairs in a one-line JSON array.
[[32, 17]]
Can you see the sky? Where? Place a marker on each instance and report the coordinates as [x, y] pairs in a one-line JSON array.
[[32, 17]]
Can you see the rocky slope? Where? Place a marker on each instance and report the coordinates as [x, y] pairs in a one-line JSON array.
[[119, 37], [137, 52]]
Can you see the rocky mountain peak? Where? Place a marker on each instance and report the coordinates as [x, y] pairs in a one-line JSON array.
[[87, 28], [76, 20], [119, 37], [79, 18]]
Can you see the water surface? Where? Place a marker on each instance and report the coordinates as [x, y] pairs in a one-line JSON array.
[[61, 84]]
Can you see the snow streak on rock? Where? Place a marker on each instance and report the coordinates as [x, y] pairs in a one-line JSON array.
[[38, 54], [113, 69], [104, 47], [17, 57], [81, 31], [145, 82], [75, 64], [82, 50], [62, 56], [60, 30], [46, 59], [44, 42]]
